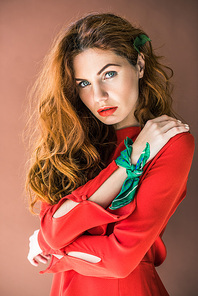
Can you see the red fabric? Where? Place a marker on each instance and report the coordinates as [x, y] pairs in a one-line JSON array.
[[127, 240]]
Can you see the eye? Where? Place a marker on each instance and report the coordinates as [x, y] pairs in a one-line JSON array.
[[83, 83], [110, 74]]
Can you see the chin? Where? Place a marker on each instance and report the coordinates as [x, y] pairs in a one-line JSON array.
[[109, 121]]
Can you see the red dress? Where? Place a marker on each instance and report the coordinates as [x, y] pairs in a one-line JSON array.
[[128, 240]]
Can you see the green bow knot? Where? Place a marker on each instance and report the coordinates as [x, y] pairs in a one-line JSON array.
[[130, 185], [139, 41], [134, 174]]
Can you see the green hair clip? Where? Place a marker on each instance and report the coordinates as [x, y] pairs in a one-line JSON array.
[[139, 41]]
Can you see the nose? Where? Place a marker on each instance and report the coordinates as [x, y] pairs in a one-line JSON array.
[[99, 93]]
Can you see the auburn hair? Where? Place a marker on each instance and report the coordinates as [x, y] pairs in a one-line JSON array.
[[72, 145]]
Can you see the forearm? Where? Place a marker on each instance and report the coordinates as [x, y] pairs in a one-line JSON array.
[[59, 232], [102, 196], [111, 187], [88, 201], [157, 133], [162, 189]]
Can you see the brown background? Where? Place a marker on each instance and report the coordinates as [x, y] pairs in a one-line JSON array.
[[27, 30]]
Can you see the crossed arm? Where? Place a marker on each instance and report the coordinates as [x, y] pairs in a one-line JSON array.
[[157, 133]]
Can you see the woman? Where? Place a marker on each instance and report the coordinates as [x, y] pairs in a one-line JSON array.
[[103, 213]]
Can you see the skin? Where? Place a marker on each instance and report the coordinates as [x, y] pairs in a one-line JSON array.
[[106, 79], [115, 85]]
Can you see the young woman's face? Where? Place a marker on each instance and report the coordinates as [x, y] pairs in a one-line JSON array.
[[108, 86]]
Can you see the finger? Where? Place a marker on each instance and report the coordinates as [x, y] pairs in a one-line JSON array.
[[161, 127], [41, 259], [47, 256], [177, 130], [163, 118], [32, 261], [157, 123], [167, 125]]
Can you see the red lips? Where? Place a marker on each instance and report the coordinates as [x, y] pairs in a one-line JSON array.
[[107, 111]]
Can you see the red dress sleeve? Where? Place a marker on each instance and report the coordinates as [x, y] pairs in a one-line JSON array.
[[161, 189], [56, 233]]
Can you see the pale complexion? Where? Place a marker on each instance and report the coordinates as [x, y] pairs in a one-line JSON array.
[[105, 79]]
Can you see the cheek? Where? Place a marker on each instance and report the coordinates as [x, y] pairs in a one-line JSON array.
[[87, 102], [128, 86], [83, 97], [130, 94]]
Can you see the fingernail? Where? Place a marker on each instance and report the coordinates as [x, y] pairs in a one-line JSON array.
[[186, 126], [179, 121]]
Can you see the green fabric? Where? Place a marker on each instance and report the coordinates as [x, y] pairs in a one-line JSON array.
[[129, 186], [139, 41]]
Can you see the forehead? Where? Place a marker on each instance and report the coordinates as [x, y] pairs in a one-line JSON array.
[[93, 59]]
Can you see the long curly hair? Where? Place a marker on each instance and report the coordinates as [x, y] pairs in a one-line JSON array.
[[73, 146]]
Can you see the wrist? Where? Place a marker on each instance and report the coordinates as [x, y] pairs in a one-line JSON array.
[[134, 171], [135, 154], [123, 173]]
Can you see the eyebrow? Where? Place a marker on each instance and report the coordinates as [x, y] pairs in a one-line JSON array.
[[103, 68]]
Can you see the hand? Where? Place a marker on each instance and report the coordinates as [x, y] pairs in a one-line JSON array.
[[35, 253], [157, 132]]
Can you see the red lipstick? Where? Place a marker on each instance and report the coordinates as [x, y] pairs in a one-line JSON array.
[[107, 111]]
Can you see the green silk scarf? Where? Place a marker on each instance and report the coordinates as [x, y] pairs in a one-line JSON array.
[[130, 185]]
